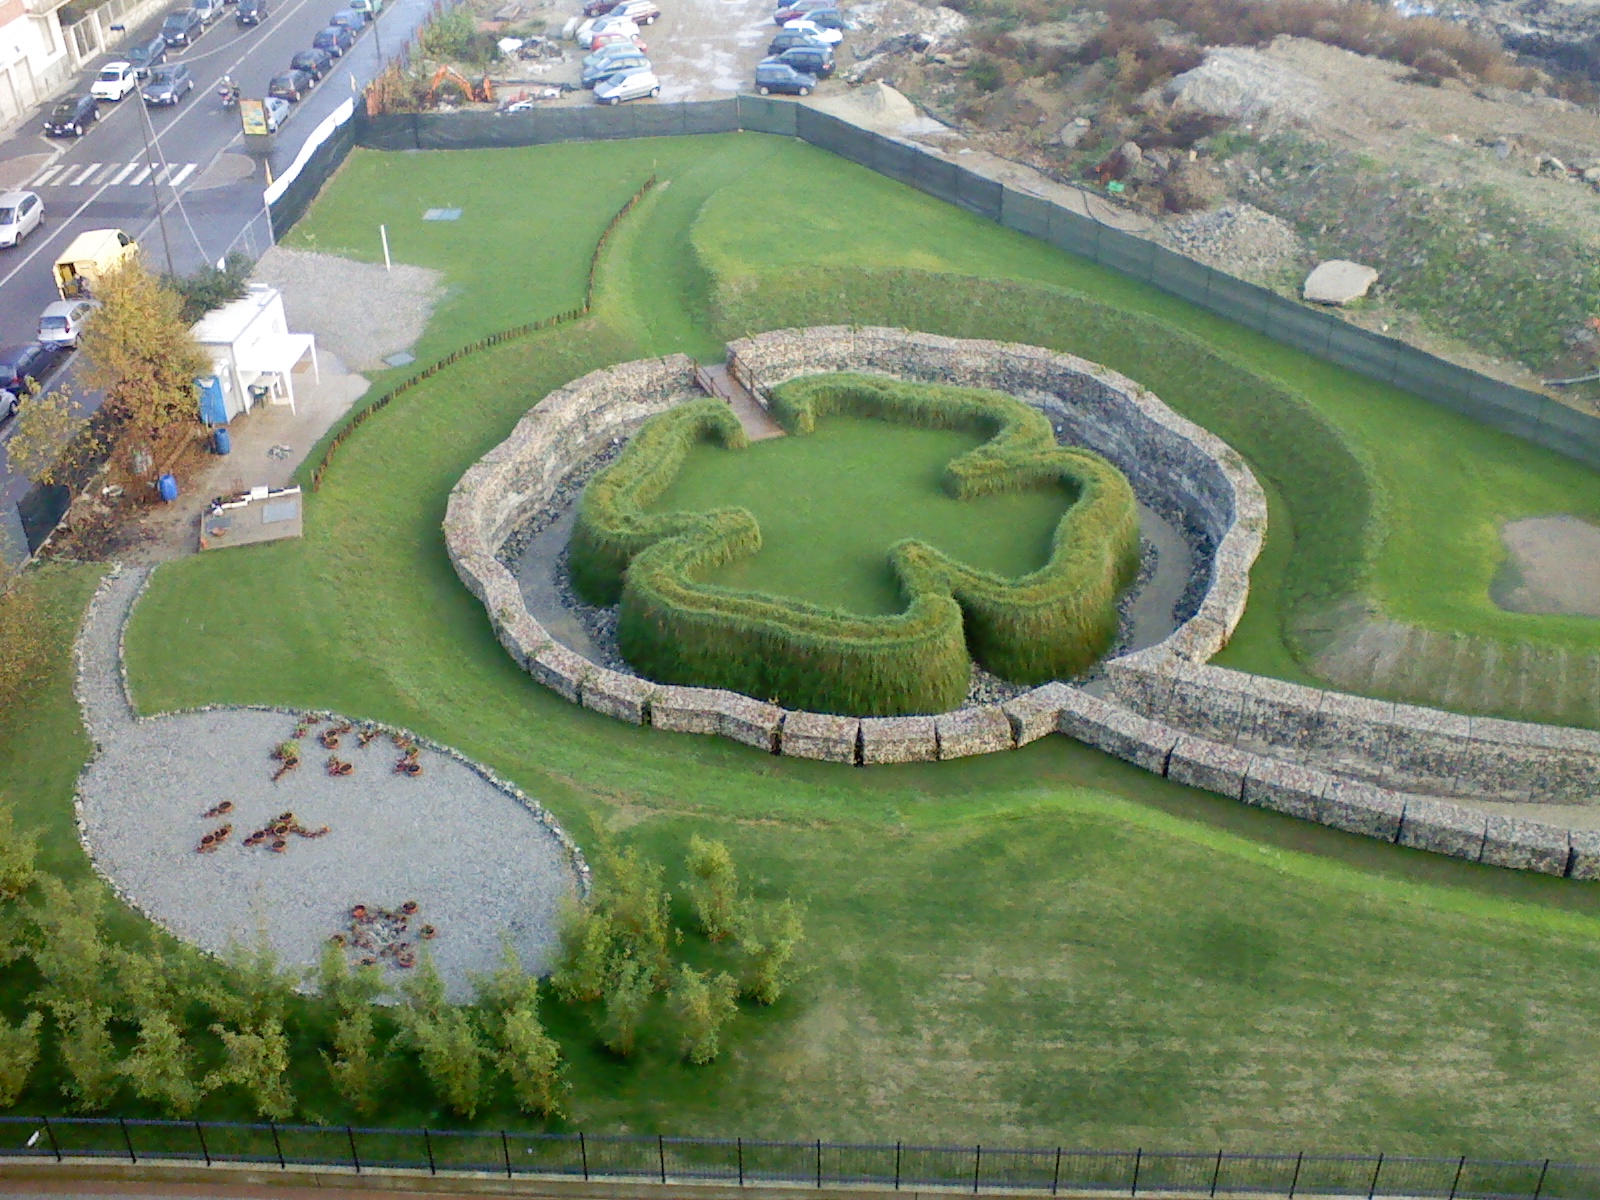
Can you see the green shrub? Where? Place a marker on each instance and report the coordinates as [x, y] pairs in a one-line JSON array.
[[675, 628]]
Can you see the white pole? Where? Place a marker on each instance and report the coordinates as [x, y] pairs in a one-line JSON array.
[[383, 231]]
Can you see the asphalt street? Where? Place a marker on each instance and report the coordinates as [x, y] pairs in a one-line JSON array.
[[198, 174]]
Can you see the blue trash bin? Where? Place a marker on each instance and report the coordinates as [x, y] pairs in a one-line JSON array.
[[220, 441], [167, 485]]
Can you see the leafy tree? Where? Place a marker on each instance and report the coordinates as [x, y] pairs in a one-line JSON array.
[[714, 889], [629, 989], [770, 941], [447, 1045], [50, 436], [640, 909], [24, 654], [17, 853], [504, 990], [256, 988], [532, 1059], [587, 940], [143, 982], [345, 989], [19, 1051], [703, 1004], [161, 1066], [138, 350], [88, 1054], [423, 990], [70, 954], [258, 1059], [356, 1066], [211, 286]]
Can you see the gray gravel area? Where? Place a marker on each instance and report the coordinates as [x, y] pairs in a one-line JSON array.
[[358, 310], [1238, 237], [479, 861]]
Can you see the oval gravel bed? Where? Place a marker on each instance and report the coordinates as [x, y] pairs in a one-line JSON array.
[[477, 862]]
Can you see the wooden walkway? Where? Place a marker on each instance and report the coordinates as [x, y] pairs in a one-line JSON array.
[[757, 421]]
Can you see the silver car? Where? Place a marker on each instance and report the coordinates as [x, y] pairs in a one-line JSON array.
[[627, 85], [61, 323]]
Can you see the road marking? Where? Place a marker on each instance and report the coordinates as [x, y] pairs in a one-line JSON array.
[[43, 177], [142, 175], [126, 171], [175, 180], [84, 178]]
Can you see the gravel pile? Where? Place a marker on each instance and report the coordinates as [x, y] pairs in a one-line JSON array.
[[359, 311], [1238, 238]]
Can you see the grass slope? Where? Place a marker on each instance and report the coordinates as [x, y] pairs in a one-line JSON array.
[[1037, 947]]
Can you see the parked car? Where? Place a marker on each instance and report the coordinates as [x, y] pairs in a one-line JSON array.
[[315, 63], [610, 50], [640, 12], [826, 35], [788, 10], [292, 86], [181, 27], [618, 38], [250, 12], [589, 30], [209, 10], [815, 59], [822, 18], [277, 111], [335, 39], [774, 75], [599, 8], [348, 18], [20, 214], [8, 404], [147, 54], [628, 60], [61, 323], [116, 80], [627, 85], [20, 364], [71, 116], [788, 38], [168, 83], [368, 8]]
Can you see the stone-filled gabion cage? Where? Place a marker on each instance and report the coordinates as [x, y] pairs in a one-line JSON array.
[[1175, 467]]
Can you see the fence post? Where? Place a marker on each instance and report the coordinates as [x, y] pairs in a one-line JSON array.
[[278, 1146], [51, 1134], [1216, 1174], [661, 1156], [740, 1142], [1295, 1182], [897, 1166], [1373, 1190], [427, 1143], [356, 1158], [583, 1151], [977, 1165], [1138, 1158], [1460, 1167], [505, 1149], [201, 1134], [1543, 1171], [819, 1163], [1055, 1179], [128, 1141]]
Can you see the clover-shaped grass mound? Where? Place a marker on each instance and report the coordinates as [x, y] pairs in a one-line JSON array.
[[676, 626]]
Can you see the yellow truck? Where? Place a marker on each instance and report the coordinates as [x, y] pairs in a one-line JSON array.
[[92, 254]]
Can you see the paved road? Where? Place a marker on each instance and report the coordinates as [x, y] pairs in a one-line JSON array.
[[207, 183]]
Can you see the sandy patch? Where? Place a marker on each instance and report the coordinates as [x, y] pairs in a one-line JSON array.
[[1553, 567]]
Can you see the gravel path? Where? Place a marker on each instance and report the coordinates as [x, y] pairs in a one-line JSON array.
[[479, 862]]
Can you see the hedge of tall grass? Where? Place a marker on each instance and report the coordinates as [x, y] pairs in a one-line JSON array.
[[677, 628]]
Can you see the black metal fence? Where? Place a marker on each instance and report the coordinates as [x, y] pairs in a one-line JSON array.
[[750, 1162]]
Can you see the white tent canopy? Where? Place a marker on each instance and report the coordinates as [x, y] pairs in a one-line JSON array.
[[278, 355]]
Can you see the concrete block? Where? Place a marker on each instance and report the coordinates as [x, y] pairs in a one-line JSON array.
[[685, 710], [898, 740], [560, 670], [1036, 713], [617, 695], [1443, 828], [820, 736], [1363, 808], [984, 730], [1117, 731], [1585, 859], [1350, 736], [1285, 787], [1425, 749], [741, 718], [1145, 690], [1207, 702], [1205, 764], [1276, 717], [1525, 845]]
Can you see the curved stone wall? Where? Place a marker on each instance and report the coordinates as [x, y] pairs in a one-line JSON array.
[[1172, 464]]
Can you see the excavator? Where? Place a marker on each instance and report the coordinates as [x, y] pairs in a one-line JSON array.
[[482, 91]]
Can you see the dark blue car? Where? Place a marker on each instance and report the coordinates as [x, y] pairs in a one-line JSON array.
[[335, 39], [775, 75]]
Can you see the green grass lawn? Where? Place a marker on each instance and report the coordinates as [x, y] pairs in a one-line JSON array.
[[831, 503], [1040, 947]]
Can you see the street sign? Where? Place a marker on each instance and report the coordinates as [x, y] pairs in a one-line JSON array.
[[253, 116]]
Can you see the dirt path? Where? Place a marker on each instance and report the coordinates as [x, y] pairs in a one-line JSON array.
[[1554, 567]]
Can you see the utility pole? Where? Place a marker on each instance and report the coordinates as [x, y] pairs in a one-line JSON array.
[[146, 128]]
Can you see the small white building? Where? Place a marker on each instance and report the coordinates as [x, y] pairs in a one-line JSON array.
[[253, 354]]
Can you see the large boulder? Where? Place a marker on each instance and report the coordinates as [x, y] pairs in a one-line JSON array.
[[1338, 281]]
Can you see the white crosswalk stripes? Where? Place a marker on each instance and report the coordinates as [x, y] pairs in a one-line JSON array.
[[111, 174]]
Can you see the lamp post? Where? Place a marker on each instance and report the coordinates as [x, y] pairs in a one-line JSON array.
[[146, 128]]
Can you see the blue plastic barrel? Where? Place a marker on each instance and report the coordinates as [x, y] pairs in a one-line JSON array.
[[220, 441], [168, 487]]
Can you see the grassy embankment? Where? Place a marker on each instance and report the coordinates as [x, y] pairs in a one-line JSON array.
[[1037, 947]]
